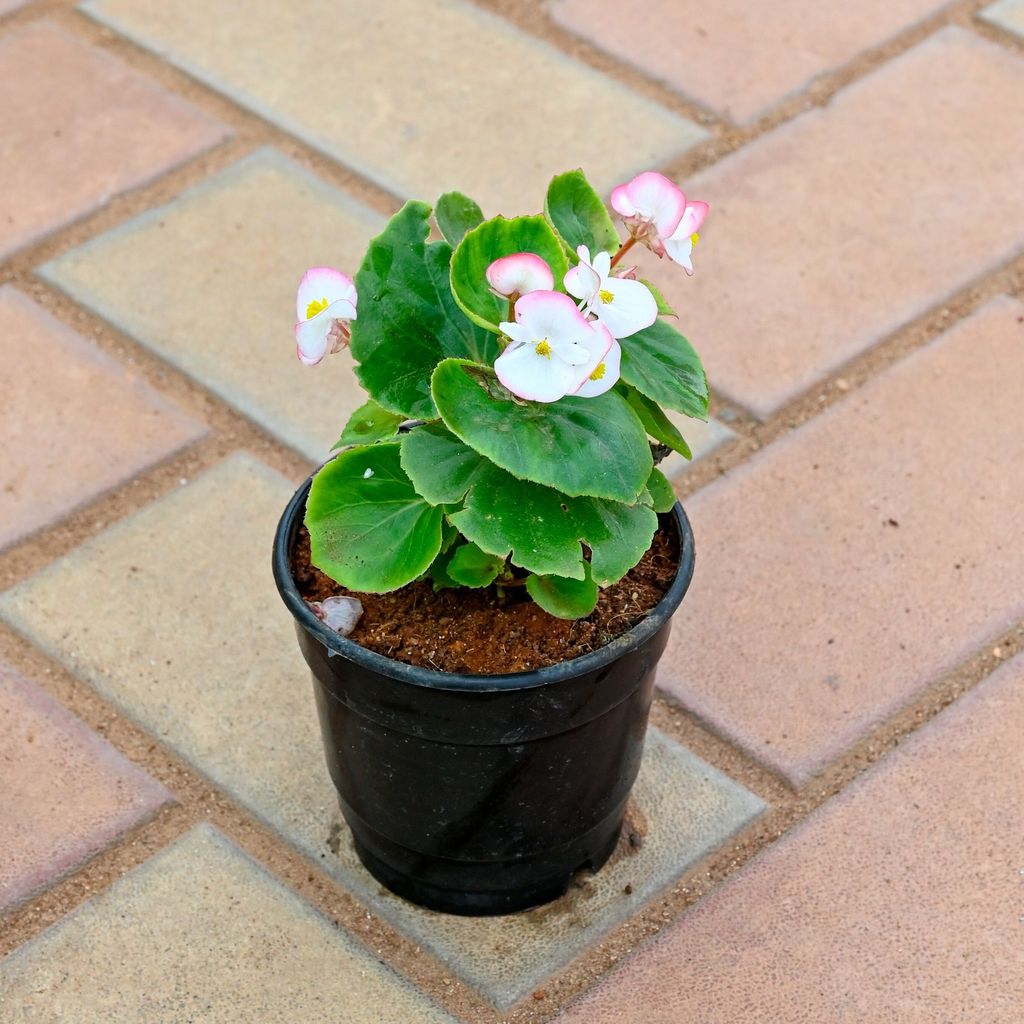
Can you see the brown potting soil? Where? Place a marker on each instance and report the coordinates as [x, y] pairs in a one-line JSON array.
[[483, 632]]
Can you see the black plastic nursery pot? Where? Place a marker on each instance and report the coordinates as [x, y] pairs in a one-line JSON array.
[[482, 794]]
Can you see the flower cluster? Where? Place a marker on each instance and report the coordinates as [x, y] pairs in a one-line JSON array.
[[518, 373]]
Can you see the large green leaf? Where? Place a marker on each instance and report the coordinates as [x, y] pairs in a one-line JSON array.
[[369, 423], [655, 422], [566, 599], [579, 216], [471, 566], [441, 467], [542, 529], [368, 528], [490, 241], [592, 446], [661, 364], [408, 320], [456, 214], [663, 498]]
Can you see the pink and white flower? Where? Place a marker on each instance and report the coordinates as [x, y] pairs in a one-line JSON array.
[[519, 274], [680, 245], [657, 214], [553, 350], [605, 374], [325, 303], [624, 306]]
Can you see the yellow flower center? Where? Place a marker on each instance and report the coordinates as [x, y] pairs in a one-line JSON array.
[[695, 237], [316, 306], [599, 372], [542, 348], [605, 296]]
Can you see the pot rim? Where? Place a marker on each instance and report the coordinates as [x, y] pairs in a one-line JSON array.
[[435, 680]]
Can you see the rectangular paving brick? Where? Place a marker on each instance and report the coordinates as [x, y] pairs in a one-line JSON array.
[[1008, 14], [208, 283], [900, 900], [77, 127], [416, 100], [859, 558], [202, 933], [76, 424], [739, 57], [703, 438], [65, 793], [217, 675], [836, 229]]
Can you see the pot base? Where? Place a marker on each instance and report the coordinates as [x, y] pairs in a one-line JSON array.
[[478, 902]]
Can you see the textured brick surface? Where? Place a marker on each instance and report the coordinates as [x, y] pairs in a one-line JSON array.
[[863, 555], [740, 58], [208, 283], [237, 703], [207, 662], [422, 102], [682, 808], [1008, 14], [831, 232], [703, 439], [66, 793], [898, 901], [77, 127], [201, 933], [76, 423]]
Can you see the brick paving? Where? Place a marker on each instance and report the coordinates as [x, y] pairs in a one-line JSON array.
[[829, 806]]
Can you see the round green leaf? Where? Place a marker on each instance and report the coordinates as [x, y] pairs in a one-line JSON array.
[[369, 423], [470, 566], [579, 216], [565, 599], [455, 215], [369, 530], [592, 446], [663, 498], [490, 241], [661, 364], [441, 467]]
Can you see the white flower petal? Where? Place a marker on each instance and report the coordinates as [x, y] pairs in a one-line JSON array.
[[609, 367], [311, 341], [519, 334], [534, 377], [323, 284], [550, 315], [602, 264], [582, 281], [631, 309], [598, 344], [679, 250]]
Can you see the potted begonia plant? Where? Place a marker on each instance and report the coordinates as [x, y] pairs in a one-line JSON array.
[[482, 578]]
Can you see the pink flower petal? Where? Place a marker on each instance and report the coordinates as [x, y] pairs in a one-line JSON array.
[[693, 218], [592, 388], [653, 197], [323, 283], [550, 315], [520, 273]]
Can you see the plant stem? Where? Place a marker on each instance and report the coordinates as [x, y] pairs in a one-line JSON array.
[[623, 249]]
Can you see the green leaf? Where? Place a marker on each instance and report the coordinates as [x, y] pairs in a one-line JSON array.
[[369, 423], [370, 533], [662, 495], [579, 216], [655, 422], [566, 599], [664, 309], [440, 466], [542, 529], [580, 446], [490, 241], [408, 320], [456, 214], [470, 566], [661, 364]]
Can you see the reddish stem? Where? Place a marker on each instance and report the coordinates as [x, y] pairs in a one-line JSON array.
[[623, 249]]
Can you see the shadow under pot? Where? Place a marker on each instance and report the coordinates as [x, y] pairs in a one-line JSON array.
[[482, 794]]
